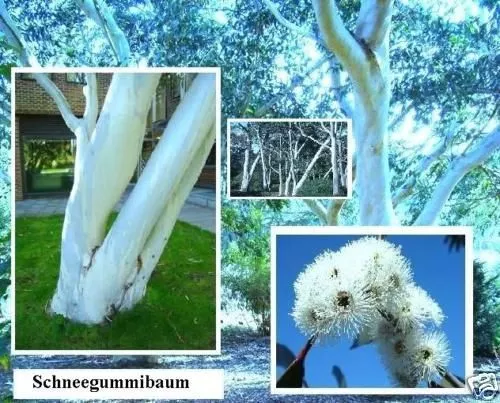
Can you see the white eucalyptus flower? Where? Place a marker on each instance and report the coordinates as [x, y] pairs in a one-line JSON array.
[[416, 309], [382, 265], [429, 355], [395, 350], [331, 300], [366, 289]]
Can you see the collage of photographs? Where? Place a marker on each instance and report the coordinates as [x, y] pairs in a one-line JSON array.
[[250, 201]]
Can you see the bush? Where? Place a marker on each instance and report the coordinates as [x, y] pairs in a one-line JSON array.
[[251, 287], [486, 311], [316, 187], [245, 259]]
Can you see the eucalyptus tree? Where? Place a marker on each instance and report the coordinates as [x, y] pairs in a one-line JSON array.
[[360, 43], [102, 273], [242, 143]]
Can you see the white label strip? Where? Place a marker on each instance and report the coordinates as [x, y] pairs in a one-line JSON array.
[[118, 384]]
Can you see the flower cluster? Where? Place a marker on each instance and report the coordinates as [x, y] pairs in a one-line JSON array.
[[366, 289]]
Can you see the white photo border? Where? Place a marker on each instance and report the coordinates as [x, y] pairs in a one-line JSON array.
[[380, 230], [350, 144], [218, 101]]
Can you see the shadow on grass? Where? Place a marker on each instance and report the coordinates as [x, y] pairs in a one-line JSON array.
[[177, 312]]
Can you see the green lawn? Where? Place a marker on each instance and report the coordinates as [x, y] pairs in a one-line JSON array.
[[177, 312]]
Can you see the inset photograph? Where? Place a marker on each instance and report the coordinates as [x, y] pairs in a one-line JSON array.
[[116, 198], [371, 310], [287, 158]]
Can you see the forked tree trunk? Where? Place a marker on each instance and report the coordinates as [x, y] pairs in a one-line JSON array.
[[101, 273], [364, 54]]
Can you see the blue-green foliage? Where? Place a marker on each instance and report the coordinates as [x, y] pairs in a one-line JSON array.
[[486, 309]]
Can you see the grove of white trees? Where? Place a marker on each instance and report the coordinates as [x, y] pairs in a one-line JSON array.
[[290, 155]]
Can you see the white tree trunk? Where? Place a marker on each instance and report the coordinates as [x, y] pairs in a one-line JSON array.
[[297, 186], [333, 159], [101, 274], [248, 174], [245, 180], [365, 57], [262, 163]]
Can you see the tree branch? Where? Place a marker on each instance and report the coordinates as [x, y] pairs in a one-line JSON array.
[[408, 186], [400, 117], [459, 167], [317, 208], [283, 21], [345, 105], [332, 213], [14, 38], [341, 42], [60, 100], [310, 166], [99, 12], [306, 136]]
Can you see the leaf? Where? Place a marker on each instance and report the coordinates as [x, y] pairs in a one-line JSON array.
[[284, 356]]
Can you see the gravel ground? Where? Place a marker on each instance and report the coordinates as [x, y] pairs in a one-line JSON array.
[[245, 359]]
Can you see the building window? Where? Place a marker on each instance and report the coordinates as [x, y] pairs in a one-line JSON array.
[[77, 78], [48, 164], [26, 76]]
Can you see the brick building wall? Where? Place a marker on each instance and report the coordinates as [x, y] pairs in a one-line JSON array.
[[31, 99]]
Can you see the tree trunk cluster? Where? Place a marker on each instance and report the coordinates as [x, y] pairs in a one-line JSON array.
[[289, 154]]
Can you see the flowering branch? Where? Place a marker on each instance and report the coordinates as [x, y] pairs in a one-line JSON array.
[[367, 288]]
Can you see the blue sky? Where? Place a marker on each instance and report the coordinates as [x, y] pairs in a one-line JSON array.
[[440, 272]]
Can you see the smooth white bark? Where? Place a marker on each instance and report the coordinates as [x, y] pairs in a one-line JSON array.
[[248, 169], [104, 273], [265, 184], [104, 166], [300, 183], [333, 211], [366, 60], [112, 275], [60, 100], [333, 160]]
